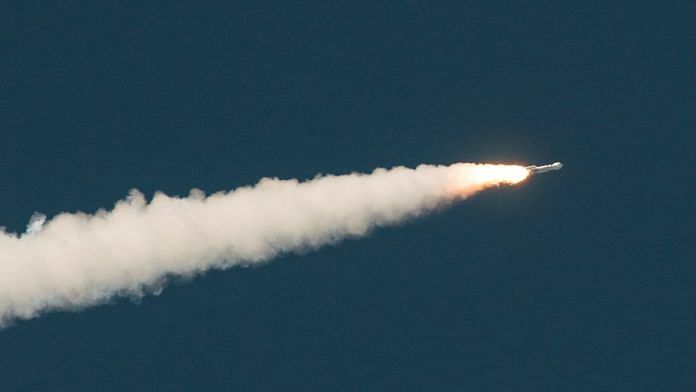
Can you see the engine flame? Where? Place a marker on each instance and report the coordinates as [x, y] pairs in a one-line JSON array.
[[473, 177]]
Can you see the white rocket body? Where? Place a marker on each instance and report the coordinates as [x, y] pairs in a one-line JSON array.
[[545, 168]]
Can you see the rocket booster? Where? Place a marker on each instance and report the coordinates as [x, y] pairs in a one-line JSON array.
[[544, 168]]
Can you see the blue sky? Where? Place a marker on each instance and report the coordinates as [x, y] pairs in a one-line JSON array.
[[577, 280]]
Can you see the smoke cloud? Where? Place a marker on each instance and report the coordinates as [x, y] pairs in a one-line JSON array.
[[76, 260]]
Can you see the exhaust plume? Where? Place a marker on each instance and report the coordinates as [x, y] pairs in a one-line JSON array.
[[75, 259]]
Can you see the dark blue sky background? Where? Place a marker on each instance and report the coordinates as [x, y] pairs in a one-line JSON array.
[[579, 280]]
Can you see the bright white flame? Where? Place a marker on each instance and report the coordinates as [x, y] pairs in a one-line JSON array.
[[473, 177]]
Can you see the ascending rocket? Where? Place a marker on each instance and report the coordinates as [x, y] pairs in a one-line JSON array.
[[544, 168]]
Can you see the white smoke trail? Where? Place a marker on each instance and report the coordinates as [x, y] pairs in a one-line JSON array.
[[35, 223], [75, 260]]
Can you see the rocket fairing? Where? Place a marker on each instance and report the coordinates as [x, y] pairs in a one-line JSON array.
[[544, 168]]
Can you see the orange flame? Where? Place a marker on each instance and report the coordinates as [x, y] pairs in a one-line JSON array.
[[472, 177]]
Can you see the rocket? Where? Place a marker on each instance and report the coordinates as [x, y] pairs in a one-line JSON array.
[[544, 168]]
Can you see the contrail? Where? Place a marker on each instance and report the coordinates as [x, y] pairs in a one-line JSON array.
[[76, 260]]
